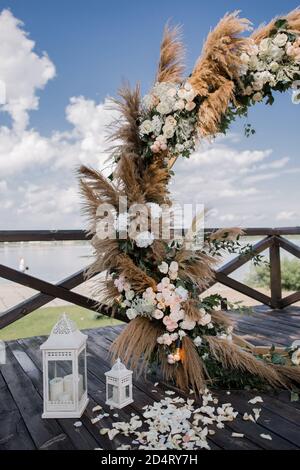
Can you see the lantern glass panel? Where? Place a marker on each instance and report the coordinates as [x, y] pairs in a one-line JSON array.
[[60, 387], [112, 393], [81, 374], [127, 391]]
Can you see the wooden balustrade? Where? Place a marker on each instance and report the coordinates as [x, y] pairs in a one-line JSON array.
[[274, 240]]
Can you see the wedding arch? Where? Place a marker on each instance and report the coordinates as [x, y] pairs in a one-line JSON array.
[[156, 282]]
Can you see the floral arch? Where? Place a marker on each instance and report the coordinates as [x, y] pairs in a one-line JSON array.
[[156, 282]]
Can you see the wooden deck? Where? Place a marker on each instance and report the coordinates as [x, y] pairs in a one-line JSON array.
[[21, 426]]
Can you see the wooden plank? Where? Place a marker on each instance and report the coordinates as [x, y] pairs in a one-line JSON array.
[[53, 290], [290, 299], [275, 274], [72, 235], [242, 288], [13, 432], [45, 433], [287, 245], [33, 303], [43, 235], [282, 439], [239, 261]]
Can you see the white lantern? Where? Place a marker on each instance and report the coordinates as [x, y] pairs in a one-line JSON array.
[[118, 386], [64, 370]]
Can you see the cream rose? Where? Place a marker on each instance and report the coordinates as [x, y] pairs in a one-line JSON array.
[[296, 357]]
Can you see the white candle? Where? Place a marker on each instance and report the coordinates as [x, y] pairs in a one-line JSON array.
[[115, 395], [64, 397], [68, 385], [56, 388]]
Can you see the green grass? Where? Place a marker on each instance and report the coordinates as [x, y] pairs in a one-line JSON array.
[[41, 321]]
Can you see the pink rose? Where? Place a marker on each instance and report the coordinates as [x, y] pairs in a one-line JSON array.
[[171, 325]]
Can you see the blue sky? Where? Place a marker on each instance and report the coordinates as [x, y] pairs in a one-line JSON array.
[[93, 45]]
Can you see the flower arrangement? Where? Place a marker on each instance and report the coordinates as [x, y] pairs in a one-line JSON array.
[[156, 283]]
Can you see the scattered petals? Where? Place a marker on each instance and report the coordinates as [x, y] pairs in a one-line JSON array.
[[266, 436], [255, 400], [96, 408], [237, 434], [78, 424]]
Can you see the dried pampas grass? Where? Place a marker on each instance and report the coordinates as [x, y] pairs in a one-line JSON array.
[[136, 343], [232, 356], [126, 133], [195, 266], [189, 373], [293, 19], [170, 67], [138, 279], [214, 74], [96, 190]]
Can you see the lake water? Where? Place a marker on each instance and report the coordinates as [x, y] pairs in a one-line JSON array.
[[53, 261]]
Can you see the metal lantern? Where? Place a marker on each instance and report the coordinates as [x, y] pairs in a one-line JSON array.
[[64, 370], [118, 386]]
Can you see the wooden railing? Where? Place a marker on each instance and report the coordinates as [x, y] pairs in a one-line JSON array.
[[273, 239]]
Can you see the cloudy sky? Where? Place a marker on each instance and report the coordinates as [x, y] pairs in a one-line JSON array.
[[61, 60]]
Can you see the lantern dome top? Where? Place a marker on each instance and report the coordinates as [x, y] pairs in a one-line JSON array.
[[118, 370], [64, 335]]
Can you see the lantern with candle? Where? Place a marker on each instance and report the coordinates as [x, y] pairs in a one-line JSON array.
[[118, 386], [64, 371]]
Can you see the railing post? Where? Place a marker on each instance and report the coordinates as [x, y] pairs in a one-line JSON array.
[[275, 273]]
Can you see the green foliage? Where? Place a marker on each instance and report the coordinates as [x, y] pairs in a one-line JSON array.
[[290, 275]]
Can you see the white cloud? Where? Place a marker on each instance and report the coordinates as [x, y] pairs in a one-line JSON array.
[[286, 215], [21, 70], [38, 173]]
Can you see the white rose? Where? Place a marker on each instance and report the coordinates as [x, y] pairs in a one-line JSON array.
[[257, 85], [198, 341], [144, 239], [253, 63], [168, 131], [157, 314], [170, 121], [179, 105], [182, 292], [181, 93], [190, 105], [205, 320], [188, 86], [179, 147], [163, 267], [187, 324], [146, 127], [280, 39], [131, 313], [264, 45], [164, 107], [161, 139], [172, 92], [257, 97], [190, 95], [276, 52], [174, 266], [245, 58], [129, 294]]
